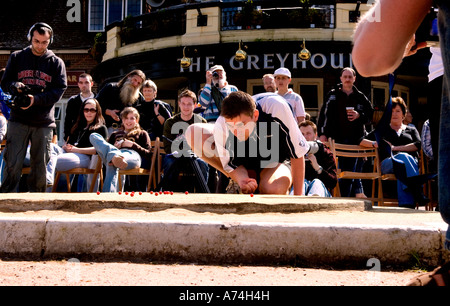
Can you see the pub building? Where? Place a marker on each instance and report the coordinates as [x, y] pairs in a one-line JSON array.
[[159, 37]]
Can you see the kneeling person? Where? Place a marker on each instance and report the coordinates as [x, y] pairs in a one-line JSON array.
[[253, 142]]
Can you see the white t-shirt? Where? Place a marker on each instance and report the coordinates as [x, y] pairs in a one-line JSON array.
[[436, 66], [3, 126], [296, 102]]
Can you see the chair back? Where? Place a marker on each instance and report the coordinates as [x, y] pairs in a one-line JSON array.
[[357, 151], [155, 144], [96, 171]]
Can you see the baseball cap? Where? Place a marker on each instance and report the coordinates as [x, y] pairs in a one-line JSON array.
[[217, 67], [282, 71]]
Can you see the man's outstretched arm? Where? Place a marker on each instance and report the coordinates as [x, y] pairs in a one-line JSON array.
[[383, 35]]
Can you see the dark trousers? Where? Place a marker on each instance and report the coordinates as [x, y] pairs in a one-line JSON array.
[[434, 104], [17, 139]]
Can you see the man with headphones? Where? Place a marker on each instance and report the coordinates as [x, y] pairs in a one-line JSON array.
[[38, 74]]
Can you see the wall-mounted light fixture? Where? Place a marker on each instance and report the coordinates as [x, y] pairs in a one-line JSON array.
[[304, 54], [185, 61], [353, 16], [202, 20], [240, 55]]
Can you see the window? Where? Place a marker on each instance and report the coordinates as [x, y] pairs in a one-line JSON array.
[[105, 12], [96, 15], [380, 94], [134, 8], [115, 11], [311, 91]]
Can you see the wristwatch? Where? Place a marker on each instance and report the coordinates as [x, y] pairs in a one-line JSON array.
[[319, 171]]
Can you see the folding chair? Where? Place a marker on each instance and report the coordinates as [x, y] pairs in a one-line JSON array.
[[141, 171], [98, 170], [424, 167], [159, 170], [356, 151], [2, 145], [423, 178]]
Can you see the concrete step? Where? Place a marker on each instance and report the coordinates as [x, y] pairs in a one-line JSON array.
[[219, 229]]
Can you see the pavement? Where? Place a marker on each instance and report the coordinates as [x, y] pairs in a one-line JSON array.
[[218, 229]]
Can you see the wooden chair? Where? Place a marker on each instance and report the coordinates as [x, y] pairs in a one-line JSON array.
[[25, 170], [424, 167], [141, 171], [2, 145], [161, 155], [356, 151], [426, 188], [96, 172]]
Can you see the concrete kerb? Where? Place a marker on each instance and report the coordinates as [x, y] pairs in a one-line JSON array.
[[218, 242], [221, 203], [240, 242]]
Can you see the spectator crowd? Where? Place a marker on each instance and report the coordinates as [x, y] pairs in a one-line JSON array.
[[210, 140]]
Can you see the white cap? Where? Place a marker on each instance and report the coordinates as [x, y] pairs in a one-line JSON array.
[[282, 71], [216, 67]]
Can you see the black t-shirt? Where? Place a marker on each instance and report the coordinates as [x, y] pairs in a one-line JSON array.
[[80, 137], [407, 136]]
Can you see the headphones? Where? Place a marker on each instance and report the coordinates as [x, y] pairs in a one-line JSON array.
[[37, 26]]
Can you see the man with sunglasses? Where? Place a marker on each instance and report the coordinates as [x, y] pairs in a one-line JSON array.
[[256, 142], [39, 69]]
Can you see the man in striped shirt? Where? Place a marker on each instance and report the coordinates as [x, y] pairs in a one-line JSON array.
[[215, 90]]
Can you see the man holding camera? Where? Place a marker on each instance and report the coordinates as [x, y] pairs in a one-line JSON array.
[[215, 90], [36, 78], [320, 167]]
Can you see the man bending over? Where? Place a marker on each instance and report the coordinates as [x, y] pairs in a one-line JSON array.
[[256, 142]]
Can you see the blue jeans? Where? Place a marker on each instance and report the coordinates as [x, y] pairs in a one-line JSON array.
[[315, 187], [107, 151], [67, 161], [405, 198]]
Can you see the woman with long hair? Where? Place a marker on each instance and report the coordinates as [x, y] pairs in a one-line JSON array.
[[126, 148], [78, 150]]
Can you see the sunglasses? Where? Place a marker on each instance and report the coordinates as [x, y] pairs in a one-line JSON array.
[[90, 110]]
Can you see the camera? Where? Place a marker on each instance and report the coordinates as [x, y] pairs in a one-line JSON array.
[[20, 95], [215, 74], [313, 147]]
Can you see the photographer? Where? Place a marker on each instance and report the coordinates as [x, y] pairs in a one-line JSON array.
[[215, 90], [37, 79], [320, 167]]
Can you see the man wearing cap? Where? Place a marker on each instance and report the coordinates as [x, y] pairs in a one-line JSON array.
[[282, 80], [215, 90]]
